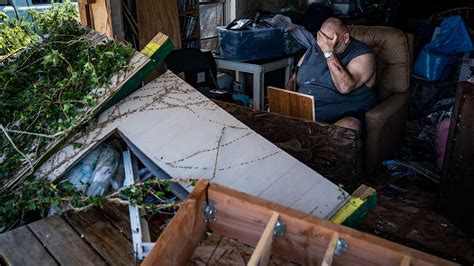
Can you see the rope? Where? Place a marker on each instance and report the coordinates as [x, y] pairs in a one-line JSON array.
[[14, 146]]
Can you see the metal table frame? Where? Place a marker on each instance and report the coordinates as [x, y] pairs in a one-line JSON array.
[[258, 71]]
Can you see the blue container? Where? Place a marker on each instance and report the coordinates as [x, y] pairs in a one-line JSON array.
[[249, 45]]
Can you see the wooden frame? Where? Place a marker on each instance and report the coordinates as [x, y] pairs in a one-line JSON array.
[[307, 240]]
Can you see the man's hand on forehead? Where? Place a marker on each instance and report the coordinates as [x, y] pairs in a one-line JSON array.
[[325, 43]]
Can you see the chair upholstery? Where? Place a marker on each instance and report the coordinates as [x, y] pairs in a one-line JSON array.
[[392, 57], [386, 121]]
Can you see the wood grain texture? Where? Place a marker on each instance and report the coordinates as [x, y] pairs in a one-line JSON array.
[[20, 247], [101, 17], [306, 239], [263, 250], [188, 136], [327, 149], [181, 237], [290, 103], [329, 255], [158, 16], [457, 181], [104, 237], [65, 245]]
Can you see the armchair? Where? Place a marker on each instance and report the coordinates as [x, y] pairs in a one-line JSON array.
[[386, 121]]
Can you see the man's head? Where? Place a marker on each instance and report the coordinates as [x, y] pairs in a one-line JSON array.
[[334, 26]]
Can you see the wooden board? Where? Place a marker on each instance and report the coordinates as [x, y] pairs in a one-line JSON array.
[[188, 136], [457, 182], [158, 16], [64, 243], [109, 242], [173, 248], [291, 103], [20, 247], [328, 149]]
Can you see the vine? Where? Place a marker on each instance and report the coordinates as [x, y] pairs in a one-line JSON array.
[[47, 83]]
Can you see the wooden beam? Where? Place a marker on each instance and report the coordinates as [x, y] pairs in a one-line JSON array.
[[405, 261], [263, 250], [329, 255], [330, 150], [178, 242], [306, 239], [291, 103]]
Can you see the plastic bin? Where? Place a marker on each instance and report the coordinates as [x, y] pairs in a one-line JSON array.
[[249, 45]]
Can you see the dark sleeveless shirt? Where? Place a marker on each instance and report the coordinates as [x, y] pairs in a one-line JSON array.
[[314, 78]]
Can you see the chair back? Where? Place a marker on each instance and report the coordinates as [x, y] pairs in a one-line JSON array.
[[392, 55], [199, 68]]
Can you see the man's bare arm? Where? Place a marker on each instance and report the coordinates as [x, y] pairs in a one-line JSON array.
[[292, 81], [359, 71]]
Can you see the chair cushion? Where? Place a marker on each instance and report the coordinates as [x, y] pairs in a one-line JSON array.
[[392, 57]]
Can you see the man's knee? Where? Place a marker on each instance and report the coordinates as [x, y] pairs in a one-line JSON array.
[[349, 122]]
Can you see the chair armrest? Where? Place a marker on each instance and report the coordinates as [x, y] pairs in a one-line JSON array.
[[386, 108]]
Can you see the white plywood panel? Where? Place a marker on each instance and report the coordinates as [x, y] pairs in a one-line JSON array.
[[188, 136]]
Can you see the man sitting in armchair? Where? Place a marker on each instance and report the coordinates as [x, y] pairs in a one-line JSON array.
[[339, 72]]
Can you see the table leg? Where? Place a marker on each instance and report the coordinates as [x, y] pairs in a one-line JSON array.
[[258, 90], [288, 69]]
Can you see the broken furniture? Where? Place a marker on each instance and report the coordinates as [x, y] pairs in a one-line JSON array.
[[457, 181], [257, 69], [295, 235], [386, 121]]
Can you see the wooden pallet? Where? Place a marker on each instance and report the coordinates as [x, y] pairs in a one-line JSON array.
[[306, 240]]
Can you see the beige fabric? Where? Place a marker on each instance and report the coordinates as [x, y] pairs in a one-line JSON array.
[[392, 56], [386, 124]]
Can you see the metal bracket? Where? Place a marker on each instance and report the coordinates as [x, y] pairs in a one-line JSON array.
[[341, 247], [280, 228], [210, 211]]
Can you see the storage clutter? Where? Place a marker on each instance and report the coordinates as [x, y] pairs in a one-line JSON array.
[[250, 44]]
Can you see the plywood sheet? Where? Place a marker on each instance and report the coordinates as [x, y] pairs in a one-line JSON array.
[[158, 16], [188, 136], [291, 103]]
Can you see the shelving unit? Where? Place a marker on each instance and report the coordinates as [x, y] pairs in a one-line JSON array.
[[189, 23]]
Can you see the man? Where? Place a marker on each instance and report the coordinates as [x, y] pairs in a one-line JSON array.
[[339, 72]]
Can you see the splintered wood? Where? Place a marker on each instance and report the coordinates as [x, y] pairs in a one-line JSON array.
[[188, 136]]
